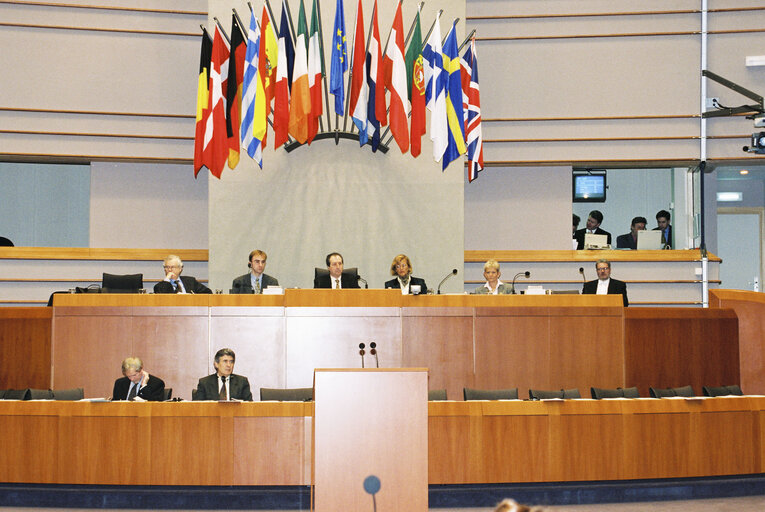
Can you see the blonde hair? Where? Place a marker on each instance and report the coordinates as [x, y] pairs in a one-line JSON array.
[[491, 264], [398, 259]]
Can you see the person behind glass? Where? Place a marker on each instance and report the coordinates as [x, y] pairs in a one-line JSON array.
[[662, 219], [402, 269], [593, 226], [255, 281], [604, 285], [137, 384], [493, 285], [224, 384], [629, 240], [174, 282], [336, 279]]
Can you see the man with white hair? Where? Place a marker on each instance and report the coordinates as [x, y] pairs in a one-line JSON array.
[[174, 282], [137, 384]]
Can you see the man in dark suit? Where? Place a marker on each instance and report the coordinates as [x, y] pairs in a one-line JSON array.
[[404, 281], [137, 384], [593, 226], [224, 384], [629, 240], [174, 282], [255, 281], [336, 279], [604, 285], [662, 219]]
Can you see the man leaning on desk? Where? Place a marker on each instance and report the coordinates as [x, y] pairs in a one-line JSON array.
[[224, 384], [174, 282], [137, 384]]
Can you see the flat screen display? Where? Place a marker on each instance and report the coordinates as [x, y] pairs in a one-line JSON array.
[[590, 188]]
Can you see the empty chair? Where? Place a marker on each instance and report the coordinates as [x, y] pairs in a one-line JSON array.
[[40, 394], [490, 394], [68, 394], [437, 394], [167, 394], [541, 394], [2, 394], [16, 394], [598, 393], [286, 395], [686, 391], [722, 390], [125, 283]]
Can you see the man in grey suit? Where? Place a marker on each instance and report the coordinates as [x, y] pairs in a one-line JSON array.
[[255, 281], [223, 384]]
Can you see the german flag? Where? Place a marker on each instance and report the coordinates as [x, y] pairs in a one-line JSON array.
[[234, 91], [203, 99]]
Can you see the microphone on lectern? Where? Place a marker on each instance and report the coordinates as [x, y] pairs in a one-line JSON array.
[[361, 353], [526, 274], [373, 351], [581, 271], [359, 278], [450, 274]]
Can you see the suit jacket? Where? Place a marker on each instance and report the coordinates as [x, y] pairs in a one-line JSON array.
[[502, 289], [238, 388], [579, 236], [154, 390], [243, 284], [668, 242], [615, 287], [325, 281], [190, 283], [626, 242], [393, 283]]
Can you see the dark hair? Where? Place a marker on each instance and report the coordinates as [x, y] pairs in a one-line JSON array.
[[576, 220], [663, 213], [595, 214], [637, 220], [224, 352], [334, 254]]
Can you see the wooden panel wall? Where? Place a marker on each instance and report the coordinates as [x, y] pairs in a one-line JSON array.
[[25, 356]]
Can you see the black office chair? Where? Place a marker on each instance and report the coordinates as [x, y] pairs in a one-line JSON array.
[[437, 395], [490, 394], [69, 394], [2, 394], [352, 273], [40, 394], [540, 394], [599, 393], [167, 394], [5, 242], [193, 394], [124, 283], [733, 389], [685, 391], [286, 395], [16, 394]]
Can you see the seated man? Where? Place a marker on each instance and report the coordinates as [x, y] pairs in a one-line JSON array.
[[223, 384], [604, 285], [255, 281], [137, 384], [174, 283], [629, 240], [336, 279], [593, 226], [662, 219]]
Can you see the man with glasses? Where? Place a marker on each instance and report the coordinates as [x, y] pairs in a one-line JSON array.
[[174, 282], [604, 285]]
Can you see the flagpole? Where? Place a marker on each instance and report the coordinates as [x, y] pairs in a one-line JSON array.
[[432, 26], [290, 24], [350, 78], [241, 26], [467, 39], [323, 68], [228, 39]]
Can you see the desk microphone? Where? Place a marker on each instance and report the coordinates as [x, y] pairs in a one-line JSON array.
[[366, 285], [361, 353], [373, 351], [526, 274], [581, 271], [450, 274]]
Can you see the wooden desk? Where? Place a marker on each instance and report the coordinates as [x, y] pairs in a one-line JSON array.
[[206, 443]]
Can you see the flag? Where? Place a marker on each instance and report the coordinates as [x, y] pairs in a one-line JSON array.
[[315, 73], [454, 116], [416, 87], [282, 87], [203, 99], [359, 87], [339, 61], [215, 144], [395, 82], [234, 91], [471, 104], [253, 97], [267, 61], [435, 90], [375, 67], [300, 104]]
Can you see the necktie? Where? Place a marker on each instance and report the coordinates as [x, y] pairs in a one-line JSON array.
[[132, 392], [257, 285], [223, 395], [178, 286], [337, 284]]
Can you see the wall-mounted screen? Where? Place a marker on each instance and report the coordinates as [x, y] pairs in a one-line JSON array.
[[590, 186]]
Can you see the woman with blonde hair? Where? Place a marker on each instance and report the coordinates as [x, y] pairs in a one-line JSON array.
[[402, 269], [493, 285]]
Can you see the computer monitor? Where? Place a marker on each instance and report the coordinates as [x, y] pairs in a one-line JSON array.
[[649, 240]]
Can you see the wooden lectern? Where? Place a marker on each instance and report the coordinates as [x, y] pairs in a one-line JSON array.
[[370, 440]]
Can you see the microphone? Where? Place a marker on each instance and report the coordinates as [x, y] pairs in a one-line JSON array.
[[362, 352], [450, 274], [373, 351], [359, 278], [526, 274], [581, 271]]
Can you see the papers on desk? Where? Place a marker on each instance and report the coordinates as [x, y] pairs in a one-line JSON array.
[[273, 290]]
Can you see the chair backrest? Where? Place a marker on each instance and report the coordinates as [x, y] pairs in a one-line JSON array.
[[490, 394], [121, 283], [630, 392], [733, 389], [5, 242], [40, 394], [16, 394], [684, 391], [598, 393], [571, 393], [543, 394], [69, 394], [286, 395], [352, 272], [167, 394], [2, 394], [437, 394], [193, 394]]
